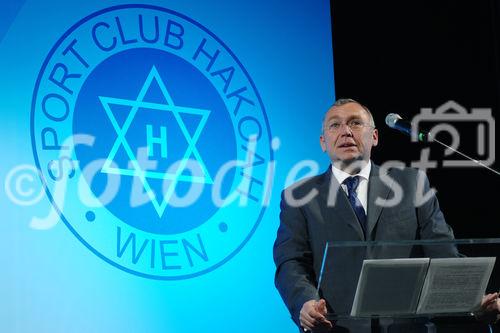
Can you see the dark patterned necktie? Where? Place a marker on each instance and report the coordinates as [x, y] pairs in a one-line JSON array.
[[352, 184]]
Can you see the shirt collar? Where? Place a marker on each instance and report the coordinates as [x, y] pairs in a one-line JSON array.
[[342, 175]]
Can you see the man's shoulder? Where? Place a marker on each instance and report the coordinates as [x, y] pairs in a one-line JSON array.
[[395, 171], [308, 183], [407, 177]]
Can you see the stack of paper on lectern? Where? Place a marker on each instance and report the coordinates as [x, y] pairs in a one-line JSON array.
[[388, 287]]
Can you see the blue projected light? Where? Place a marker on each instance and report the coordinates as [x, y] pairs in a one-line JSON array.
[[169, 133], [185, 107], [144, 153]]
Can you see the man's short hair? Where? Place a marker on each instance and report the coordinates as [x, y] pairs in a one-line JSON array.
[[342, 101]]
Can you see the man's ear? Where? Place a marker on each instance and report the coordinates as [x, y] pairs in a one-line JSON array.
[[322, 143], [375, 137]]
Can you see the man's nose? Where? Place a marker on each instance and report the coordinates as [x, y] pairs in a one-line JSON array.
[[345, 130]]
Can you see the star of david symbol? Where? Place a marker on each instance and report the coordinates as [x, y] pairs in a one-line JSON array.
[[146, 175]]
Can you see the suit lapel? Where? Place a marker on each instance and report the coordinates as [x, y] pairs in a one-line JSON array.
[[339, 209], [376, 189]]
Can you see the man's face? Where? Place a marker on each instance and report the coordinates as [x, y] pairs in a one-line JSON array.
[[344, 144]]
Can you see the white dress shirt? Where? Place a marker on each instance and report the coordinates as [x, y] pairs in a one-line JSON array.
[[362, 190]]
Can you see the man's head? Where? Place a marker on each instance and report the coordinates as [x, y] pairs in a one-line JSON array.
[[348, 133]]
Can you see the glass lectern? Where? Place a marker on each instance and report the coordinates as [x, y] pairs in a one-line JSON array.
[[424, 285]]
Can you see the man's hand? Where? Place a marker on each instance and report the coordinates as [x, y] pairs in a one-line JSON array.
[[490, 308], [490, 303], [312, 315]]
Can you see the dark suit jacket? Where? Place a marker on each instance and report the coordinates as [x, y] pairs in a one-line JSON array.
[[306, 228]]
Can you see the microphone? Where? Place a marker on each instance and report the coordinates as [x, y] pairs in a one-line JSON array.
[[395, 121]]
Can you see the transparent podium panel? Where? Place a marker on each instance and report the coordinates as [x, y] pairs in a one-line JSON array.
[[408, 279]]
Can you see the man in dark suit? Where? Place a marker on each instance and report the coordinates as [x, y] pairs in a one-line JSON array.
[[354, 200]]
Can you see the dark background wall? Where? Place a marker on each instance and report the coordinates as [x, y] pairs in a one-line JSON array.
[[400, 56]]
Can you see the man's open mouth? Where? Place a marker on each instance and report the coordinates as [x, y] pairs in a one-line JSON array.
[[347, 145]]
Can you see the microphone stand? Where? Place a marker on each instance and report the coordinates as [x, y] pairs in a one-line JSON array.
[[431, 138]]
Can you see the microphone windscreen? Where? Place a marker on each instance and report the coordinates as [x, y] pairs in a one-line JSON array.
[[391, 119]]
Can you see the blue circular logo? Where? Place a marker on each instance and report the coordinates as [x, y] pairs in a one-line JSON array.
[[152, 141]]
